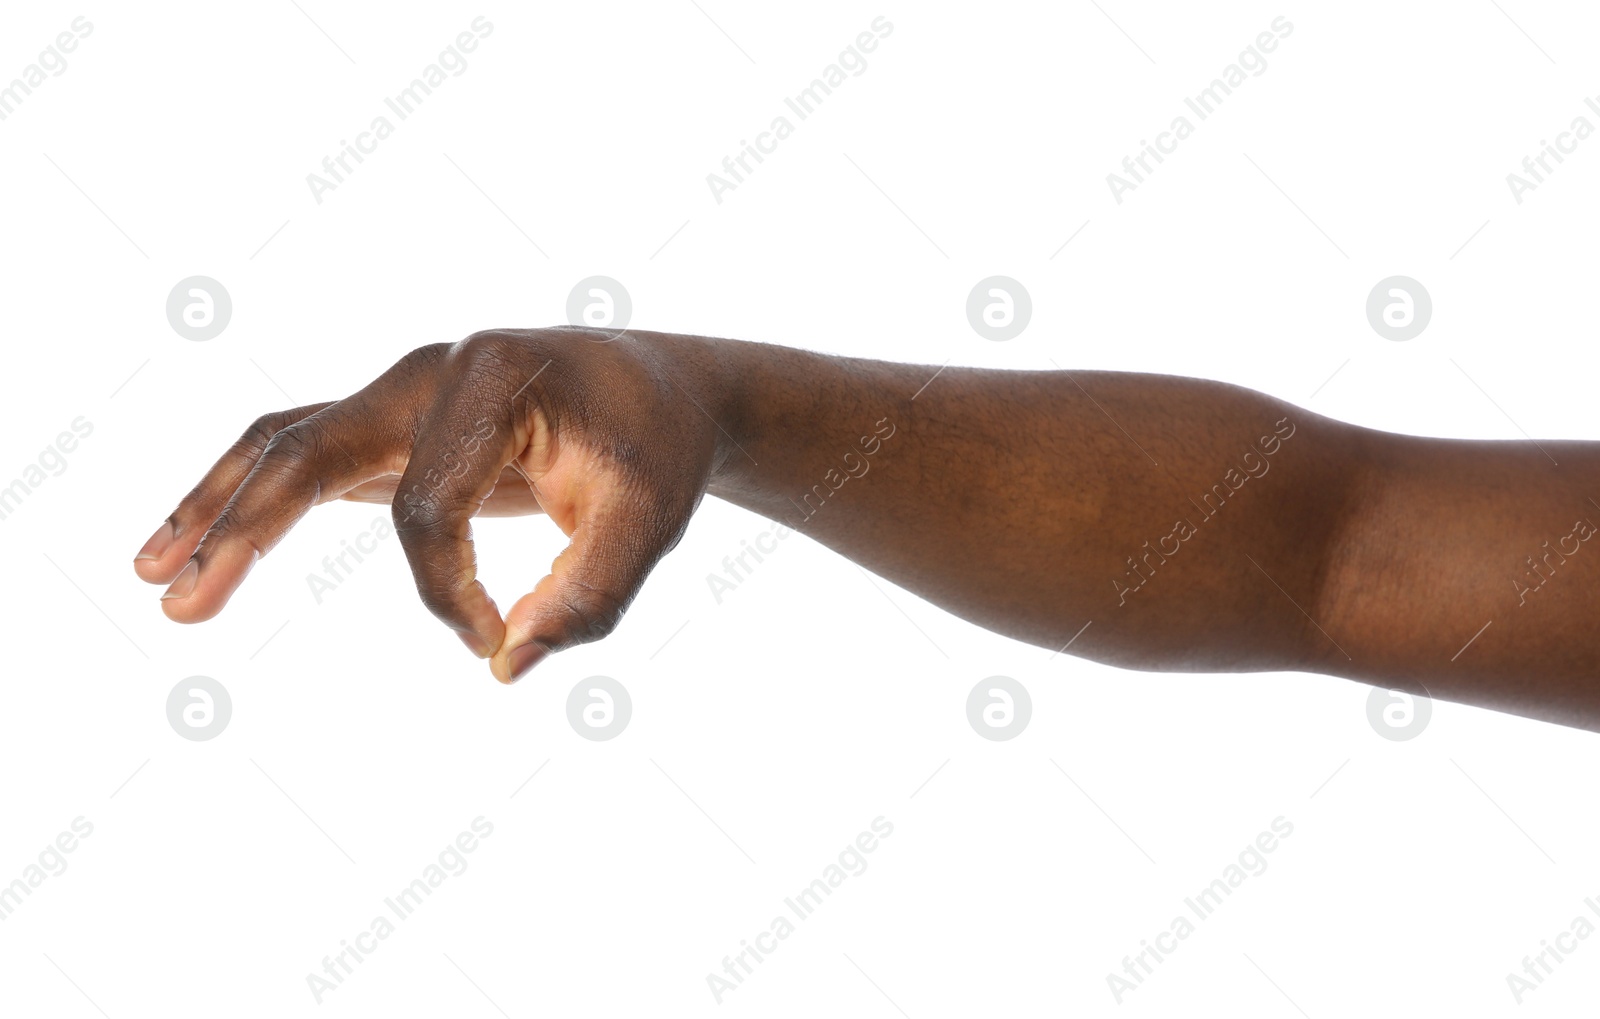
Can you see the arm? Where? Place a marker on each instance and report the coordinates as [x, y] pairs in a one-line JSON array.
[[1198, 525], [1190, 525]]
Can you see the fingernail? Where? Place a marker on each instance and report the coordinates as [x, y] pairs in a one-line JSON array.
[[474, 644], [158, 544], [524, 658], [183, 587]]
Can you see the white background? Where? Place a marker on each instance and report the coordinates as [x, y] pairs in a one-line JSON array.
[[770, 729]]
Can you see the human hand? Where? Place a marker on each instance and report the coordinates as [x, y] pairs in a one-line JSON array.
[[608, 436]]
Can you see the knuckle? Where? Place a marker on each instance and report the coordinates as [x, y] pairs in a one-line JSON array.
[[261, 431], [496, 335], [486, 343], [492, 354], [227, 527], [426, 356], [292, 447], [418, 515], [425, 536], [441, 585]]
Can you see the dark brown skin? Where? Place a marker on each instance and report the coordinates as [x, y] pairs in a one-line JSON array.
[[1155, 522]]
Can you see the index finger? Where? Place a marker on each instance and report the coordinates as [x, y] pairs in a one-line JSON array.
[[459, 456]]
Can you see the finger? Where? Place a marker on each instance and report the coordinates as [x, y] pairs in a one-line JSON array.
[[170, 547], [591, 583], [311, 461], [459, 458]]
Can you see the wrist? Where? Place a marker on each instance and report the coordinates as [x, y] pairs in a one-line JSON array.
[[716, 376]]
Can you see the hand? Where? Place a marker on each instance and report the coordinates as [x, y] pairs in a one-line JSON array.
[[601, 434]]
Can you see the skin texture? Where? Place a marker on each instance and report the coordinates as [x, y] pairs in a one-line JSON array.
[[1152, 522]]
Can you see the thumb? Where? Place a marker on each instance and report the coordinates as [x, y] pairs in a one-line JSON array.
[[590, 585]]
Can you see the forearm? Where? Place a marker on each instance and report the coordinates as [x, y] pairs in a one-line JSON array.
[[1033, 503], [1192, 525]]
